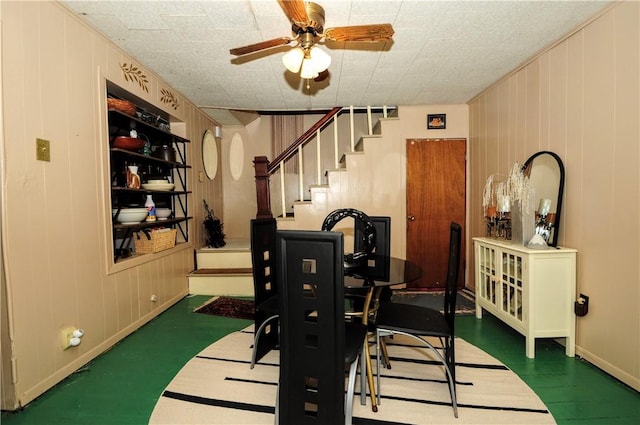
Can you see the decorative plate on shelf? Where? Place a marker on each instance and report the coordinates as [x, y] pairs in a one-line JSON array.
[[158, 186]]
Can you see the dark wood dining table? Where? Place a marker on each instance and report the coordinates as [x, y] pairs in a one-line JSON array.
[[371, 277]]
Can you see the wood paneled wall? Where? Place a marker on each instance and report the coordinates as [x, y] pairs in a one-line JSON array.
[[580, 99], [56, 233]]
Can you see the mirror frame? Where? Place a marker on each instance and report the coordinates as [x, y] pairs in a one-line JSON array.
[[210, 168], [526, 168]]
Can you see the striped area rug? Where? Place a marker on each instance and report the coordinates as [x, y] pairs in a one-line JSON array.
[[217, 387]]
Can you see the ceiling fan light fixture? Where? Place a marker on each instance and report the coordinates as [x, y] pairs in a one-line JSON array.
[[308, 70], [321, 59], [292, 60]]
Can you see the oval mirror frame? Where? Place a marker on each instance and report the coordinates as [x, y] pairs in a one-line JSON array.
[[209, 154], [546, 173], [236, 156]]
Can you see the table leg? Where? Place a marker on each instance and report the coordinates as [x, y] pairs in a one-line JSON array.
[[367, 352], [372, 388]]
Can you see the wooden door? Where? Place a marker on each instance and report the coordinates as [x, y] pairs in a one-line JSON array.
[[435, 197]]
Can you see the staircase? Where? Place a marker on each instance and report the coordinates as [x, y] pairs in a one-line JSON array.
[[376, 163], [223, 271], [227, 271]]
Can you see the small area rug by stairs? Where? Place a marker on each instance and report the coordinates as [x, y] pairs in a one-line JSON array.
[[243, 308]]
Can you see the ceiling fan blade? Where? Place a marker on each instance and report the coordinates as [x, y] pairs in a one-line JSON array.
[[377, 32], [251, 48], [295, 11]]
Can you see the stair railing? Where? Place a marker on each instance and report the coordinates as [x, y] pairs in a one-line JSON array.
[[264, 169]]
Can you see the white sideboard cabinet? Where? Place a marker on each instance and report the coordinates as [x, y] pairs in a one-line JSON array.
[[531, 290]]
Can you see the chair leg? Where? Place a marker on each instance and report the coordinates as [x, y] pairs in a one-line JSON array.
[[372, 388], [452, 390], [348, 414], [385, 354], [277, 411], [258, 332], [448, 368], [450, 359], [363, 377], [378, 348], [381, 349]]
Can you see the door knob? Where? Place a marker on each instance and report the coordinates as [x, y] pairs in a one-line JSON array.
[[411, 217]]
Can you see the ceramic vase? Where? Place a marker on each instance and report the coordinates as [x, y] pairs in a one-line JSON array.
[[133, 179]]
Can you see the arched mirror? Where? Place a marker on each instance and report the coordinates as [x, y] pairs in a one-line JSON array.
[[209, 154], [546, 175]]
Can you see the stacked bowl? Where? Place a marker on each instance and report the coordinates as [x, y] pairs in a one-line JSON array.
[[130, 215], [161, 185]]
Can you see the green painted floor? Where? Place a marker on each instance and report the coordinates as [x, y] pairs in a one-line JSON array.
[[121, 386]]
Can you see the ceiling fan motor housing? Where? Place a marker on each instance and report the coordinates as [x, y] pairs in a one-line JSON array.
[[315, 24]]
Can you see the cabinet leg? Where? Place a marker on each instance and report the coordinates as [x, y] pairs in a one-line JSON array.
[[531, 347], [478, 311], [570, 349]]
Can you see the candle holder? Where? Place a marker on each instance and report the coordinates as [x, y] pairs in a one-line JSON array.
[[503, 226], [544, 225], [490, 223]]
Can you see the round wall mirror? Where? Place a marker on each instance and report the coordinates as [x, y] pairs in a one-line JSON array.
[[546, 175], [209, 154]]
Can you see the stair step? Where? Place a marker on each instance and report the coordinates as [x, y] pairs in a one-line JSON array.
[[218, 271], [236, 282], [359, 146], [235, 254], [343, 158]]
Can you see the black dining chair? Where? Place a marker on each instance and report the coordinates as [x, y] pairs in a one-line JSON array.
[[371, 251], [315, 349], [382, 225], [418, 322], [263, 257], [378, 267], [366, 233]]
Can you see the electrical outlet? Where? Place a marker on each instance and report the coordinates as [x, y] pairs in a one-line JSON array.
[[43, 151], [581, 307]]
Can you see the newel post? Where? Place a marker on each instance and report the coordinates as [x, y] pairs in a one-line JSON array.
[[261, 163]]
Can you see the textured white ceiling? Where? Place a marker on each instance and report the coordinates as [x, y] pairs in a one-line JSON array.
[[443, 52]]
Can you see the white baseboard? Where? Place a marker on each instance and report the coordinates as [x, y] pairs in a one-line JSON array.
[[616, 372]]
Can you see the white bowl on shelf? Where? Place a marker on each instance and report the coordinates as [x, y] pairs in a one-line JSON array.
[[163, 213], [162, 187], [159, 181], [131, 215]]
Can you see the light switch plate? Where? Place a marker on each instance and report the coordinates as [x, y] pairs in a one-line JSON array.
[[43, 152]]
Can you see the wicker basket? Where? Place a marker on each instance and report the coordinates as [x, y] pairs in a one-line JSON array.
[[121, 105], [148, 242]]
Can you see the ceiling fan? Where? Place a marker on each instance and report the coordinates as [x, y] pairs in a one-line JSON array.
[[307, 25]]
